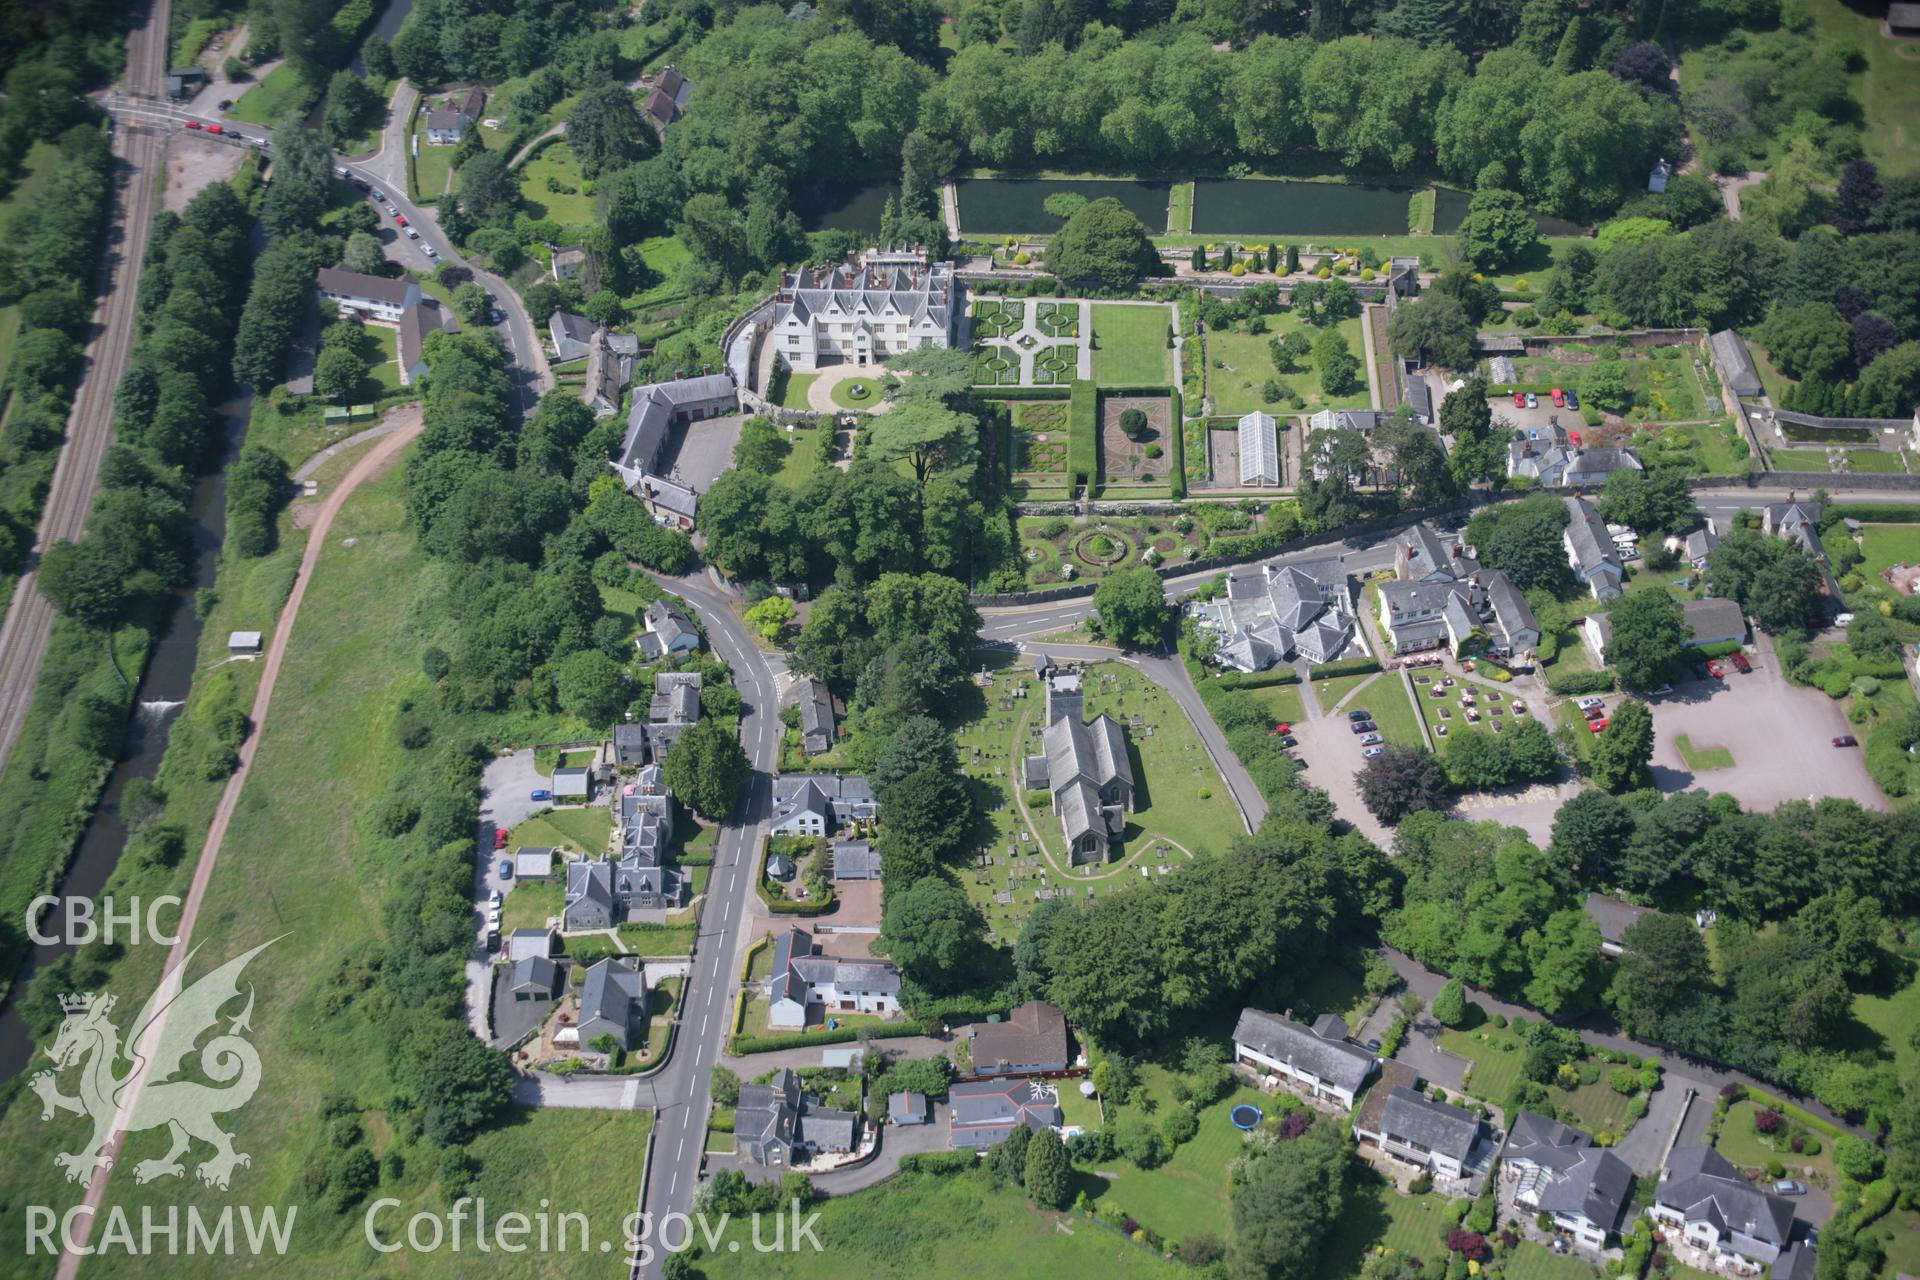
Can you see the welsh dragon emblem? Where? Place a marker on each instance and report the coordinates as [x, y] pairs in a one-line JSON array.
[[175, 1018]]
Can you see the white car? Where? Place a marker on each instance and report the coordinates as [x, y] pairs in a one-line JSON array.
[[1588, 704], [1843, 619], [428, 249], [493, 899], [1372, 740], [1371, 752], [412, 234], [493, 917]]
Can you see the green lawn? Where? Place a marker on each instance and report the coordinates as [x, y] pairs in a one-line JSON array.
[[845, 395], [1739, 1143], [1451, 702], [1378, 1216], [586, 830], [1130, 345], [550, 167], [1386, 699], [940, 1227], [1700, 448], [791, 388], [1884, 545], [266, 102], [194, 39], [1282, 701], [1530, 1261], [1701, 759], [1180, 208], [1800, 460], [1329, 692], [1773, 382], [432, 170], [1496, 1055], [1899, 1234], [1239, 363], [1893, 1019], [1871, 461], [1188, 1194], [531, 905], [803, 455], [1889, 89]]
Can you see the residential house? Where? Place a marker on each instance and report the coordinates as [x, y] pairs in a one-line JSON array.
[[1364, 421], [613, 1002], [1711, 621], [673, 709], [446, 126], [568, 261], [1704, 1198], [611, 890], [590, 903], [891, 300], [1590, 550], [856, 860], [1259, 449], [802, 979], [776, 1124], [1084, 767], [1558, 1171], [630, 744], [668, 630], [1589, 468], [1272, 613], [657, 408], [1420, 400], [667, 501], [1033, 1040], [1798, 1262], [1614, 918], [908, 1108], [534, 980], [1797, 522], [1547, 456], [533, 863], [1403, 275], [523, 944], [381, 298], [572, 336], [1697, 546], [610, 360], [816, 717], [1434, 1136], [1657, 177], [1319, 1060], [1481, 608], [1422, 555], [984, 1112], [419, 321], [1735, 362], [666, 98], [818, 804]]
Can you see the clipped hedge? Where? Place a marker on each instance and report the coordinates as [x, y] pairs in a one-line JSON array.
[[1345, 667], [1258, 679], [1083, 432], [743, 1045], [962, 1008], [939, 1162], [1579, 683], [1718, 650], [1019, 393], [1878, 512]]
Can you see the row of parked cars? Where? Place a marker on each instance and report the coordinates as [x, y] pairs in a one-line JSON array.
[[1561, 399]]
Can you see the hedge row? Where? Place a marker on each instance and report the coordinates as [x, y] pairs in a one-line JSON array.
[[1879, 512], [1258, 679], [1345, 667], [964, 1008], [939, 1162], [1719, 649], [743, 1045], [1580, 683], [1083, 432], [1017, 393]]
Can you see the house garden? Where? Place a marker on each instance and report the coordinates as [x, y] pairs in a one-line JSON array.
[[1132, 344], [1635, 384], [1243, 374], [1593, 1089]]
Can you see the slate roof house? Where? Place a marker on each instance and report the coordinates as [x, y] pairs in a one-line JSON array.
[[816, 717], [1546, 457], [1614, 918], [568, 261], [673, 709], [534, 980], [657, 408], [1032, 1039], [1735, 362], [1713, 621], [1271, 613], [984, 1112], [1797, 522], [907, 1108], [667, 99], [801, 978], [525, 943], [1716, 1210], [891, 300], [613, 1001], [1422, 555], [1430, 1135], [1259, 449], [668, 630], [375, 297], [605, 892], [856, 860], [572, 336], [1420, 400], [818, 804], [417, 322], [1698, 545], [1084, 767], [1590, 550], [1559, 1171], [1319, 1060], [1443, 597], [610, 360], [776, 1124]]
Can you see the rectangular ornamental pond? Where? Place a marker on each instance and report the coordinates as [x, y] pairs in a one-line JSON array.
[[854, 208], [1449, 210], [1284, 207], [1017, 206]]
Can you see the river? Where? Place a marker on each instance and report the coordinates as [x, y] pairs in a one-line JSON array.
[[390, 19], [162, 692]]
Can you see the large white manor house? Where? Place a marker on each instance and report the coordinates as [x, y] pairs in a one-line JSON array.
[[891, 300]]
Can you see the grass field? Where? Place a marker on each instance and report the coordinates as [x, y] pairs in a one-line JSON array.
[[1710, 448], [1889, 88], [585, 830], [1701, 759], [932, 1227], [531, 905], [1739, 1143], [1240, 363], [1884, 545], [1875, 461], [1399, 722], [792, 388], [1800, 460], [1282, 701], [554, 162], [1130, 345], [1496, 1054], [432, 170], [1377, 1215], [1188, 1194], [266, 102], [1530, 1261], [1892, 1018], [1329, 692], [1899, 1235], [803, 455]]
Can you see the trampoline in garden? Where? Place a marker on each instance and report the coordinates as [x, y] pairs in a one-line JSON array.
[[1246, 1116]]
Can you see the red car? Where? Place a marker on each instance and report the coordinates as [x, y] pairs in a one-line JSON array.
[[1845, 740], [193, 124], [400, 218], [1573, 438], [214, 128], [1597, 725], [1519, 399], [1595, 713], [499, 837], [1740, 660], [1559, 398], [1715, 670]]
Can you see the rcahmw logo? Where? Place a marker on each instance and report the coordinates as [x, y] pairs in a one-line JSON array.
[[73, 925], [161, 1231]]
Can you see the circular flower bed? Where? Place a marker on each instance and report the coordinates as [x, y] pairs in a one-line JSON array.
[[1101, 547]]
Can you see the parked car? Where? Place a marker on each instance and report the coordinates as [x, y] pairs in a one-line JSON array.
[[1715, 670], [1359, 715], [225, 104], [1573, 401], [412, 234], [1739, 660], [1586, 704], [540, 793], [360, 183], [493, 939], [494, 898], [499, 837], [1533, 401], [1364, 726], [1519, 399], [339, 171], [1372, 740], [1559, 398], [1289, 741], [1789, 1187], [1371, 752], [1595, 713], [1283, 727], [1573, 438], [1660, 691], [193, 124], [214, 128], [1842, 620], [1845, 740], [1597, 725], [400, 219], [506, 868], [428, 250], [378, 198]]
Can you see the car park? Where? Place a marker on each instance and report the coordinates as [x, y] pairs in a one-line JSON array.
[[1846, 740], [1372, 752], [1359, 715], [1739, 660], [540, 793], [1364, 726], [1372, 740]]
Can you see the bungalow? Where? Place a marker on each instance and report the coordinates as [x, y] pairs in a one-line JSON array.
[[1702, 1196], [984, 1112], [1259, 449], [1589, 468], [802, 979], [375, 297], [1558, 1171], [667, 631], [816, 717], [776, 1124], [1032, 1040], [1590, 550], [534, 980], [1318, 1060], [1434, 1136], [419, 321], [818, 804], [613, 1002], [1698, 545], [572, 336]]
